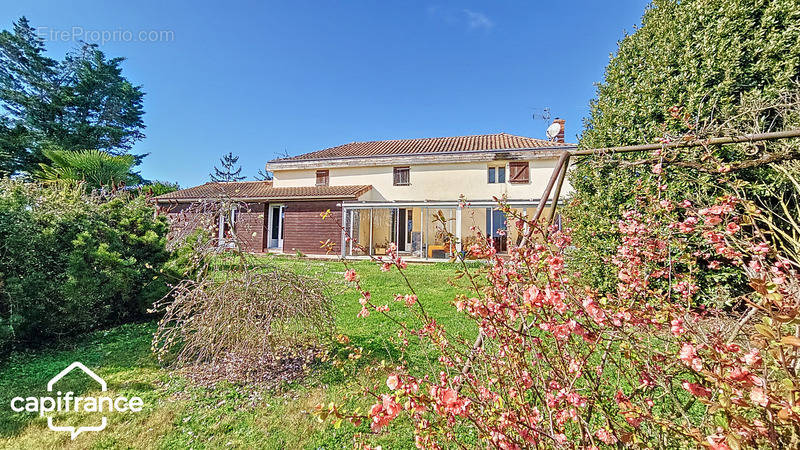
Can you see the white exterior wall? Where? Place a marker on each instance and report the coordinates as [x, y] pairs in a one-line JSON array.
[[440, 181]]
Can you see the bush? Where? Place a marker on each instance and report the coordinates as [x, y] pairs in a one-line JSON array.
[[232, 318], [558, 364], [698, 59], [72, 262]]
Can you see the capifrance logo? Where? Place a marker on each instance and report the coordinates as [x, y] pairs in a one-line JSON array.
[[68, 402]]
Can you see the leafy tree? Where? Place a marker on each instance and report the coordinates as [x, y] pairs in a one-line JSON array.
[[81, 102], [229, 171], [14, 145], [156, 188], [698, 58], [95, 167]]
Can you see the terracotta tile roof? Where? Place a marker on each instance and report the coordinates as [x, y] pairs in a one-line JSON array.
[[262, 190], [488, 142]]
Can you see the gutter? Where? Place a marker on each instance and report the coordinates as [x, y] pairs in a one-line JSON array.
[[256, 199], [437, 203], [396, 155]]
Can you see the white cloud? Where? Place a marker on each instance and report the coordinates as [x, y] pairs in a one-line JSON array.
[[473, 20], [478, 20]]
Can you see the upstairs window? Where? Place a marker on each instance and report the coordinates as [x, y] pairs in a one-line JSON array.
[[401, 176], [497, 174], [519, 172], [322, 178]]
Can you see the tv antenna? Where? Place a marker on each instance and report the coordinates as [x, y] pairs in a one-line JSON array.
[[543, 113]]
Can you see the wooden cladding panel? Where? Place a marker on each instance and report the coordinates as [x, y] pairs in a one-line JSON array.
[[304, 229], [250, 227], [249, 223]]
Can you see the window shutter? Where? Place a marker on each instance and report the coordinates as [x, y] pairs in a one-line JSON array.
[[322, 178], [518, 172], [401, 176]]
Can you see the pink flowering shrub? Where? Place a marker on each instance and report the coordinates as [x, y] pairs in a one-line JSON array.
[[558, 364]]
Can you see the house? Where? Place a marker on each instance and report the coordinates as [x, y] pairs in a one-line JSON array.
[[384, 192]]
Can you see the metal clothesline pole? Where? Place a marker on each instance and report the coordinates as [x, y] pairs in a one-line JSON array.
[[755, 137], [557, 177]]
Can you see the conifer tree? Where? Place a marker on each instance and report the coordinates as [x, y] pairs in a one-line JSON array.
[[230, 171]]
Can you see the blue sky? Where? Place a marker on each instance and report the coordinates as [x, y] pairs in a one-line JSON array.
[[262, 79]]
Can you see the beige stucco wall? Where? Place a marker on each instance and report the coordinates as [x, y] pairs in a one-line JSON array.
[[430, 181]]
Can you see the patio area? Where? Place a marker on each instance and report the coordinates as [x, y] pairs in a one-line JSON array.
[[414, 228]]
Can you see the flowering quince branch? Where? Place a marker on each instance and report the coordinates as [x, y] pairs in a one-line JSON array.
[[557, 363]]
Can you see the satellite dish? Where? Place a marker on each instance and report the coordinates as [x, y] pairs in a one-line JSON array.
[[553, 130]]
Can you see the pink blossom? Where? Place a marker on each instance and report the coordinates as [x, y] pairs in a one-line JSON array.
[[605, 436], [687, 226], [575, 366], [732, 228], [689, 357], [576, 399], [758, 396], [383, 412], [657, 169], [712, 219], [350, 275], [696, 389], [717, 441], [533, 296], [739, 374], [753, 358], [676, 327], [392, 381]]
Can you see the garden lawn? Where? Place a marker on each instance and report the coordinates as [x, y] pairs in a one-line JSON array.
[[178, 415]]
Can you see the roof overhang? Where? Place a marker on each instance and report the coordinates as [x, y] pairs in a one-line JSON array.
[[420, 158], [258, 199], [440, 203]]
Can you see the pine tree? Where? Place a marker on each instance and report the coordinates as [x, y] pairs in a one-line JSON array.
[[82, 102], [229, 171], [263, 175]]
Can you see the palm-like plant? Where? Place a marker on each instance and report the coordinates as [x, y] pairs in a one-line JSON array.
[[95, 167]]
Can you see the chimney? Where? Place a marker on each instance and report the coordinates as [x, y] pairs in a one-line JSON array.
[[560, 135]]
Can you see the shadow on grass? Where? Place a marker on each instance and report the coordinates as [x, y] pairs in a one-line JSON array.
[[113, 355]]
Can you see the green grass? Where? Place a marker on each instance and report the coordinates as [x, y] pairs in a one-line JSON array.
[[179, 415]]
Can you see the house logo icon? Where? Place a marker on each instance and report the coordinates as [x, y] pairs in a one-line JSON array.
[[74, 432], [59, 402]]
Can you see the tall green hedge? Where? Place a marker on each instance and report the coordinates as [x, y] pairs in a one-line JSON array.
[[704, 56], [71, 262]]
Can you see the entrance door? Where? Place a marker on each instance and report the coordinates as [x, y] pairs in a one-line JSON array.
[[496, 228], [402, 230], [409, 226], [276, 214]]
